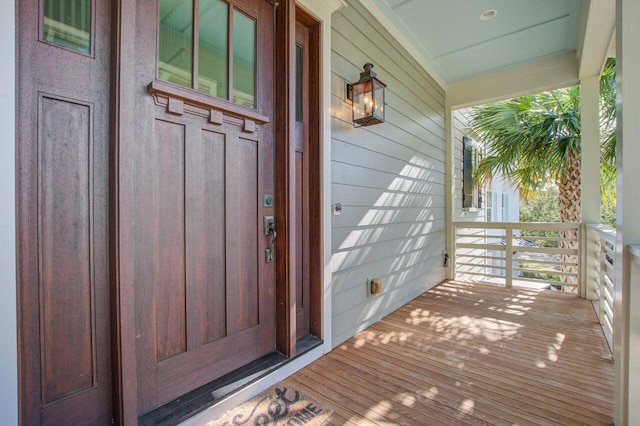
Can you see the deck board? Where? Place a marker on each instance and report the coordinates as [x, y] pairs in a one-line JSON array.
[[474, 354]]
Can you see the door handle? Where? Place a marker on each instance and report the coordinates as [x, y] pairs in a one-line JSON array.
[[269, 224], [270, 229]]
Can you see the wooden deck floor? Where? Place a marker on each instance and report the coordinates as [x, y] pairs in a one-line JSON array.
[[471, 354]]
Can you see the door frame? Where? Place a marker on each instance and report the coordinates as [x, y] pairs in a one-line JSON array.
[[315, 172], [122, 103], [285, 167]]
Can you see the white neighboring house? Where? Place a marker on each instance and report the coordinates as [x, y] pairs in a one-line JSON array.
[[502, 205], [499, 201], [495, 201], [502, 201]]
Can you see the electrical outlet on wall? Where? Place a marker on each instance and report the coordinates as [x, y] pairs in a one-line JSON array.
[[374, 286]]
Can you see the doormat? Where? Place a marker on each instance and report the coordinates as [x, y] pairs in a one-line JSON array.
[[281, 405]]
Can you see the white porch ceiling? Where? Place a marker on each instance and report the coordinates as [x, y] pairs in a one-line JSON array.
[[529, 46], [453, 38]]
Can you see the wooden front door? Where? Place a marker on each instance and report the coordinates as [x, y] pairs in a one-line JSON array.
[[63, 212], [198, 185]]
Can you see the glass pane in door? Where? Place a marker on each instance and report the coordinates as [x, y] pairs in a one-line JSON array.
[[299, 82], [68, 23], [213, 51], [175, 62], [244, 60]]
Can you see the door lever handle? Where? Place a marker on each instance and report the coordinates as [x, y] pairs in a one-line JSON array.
[[270, 229]]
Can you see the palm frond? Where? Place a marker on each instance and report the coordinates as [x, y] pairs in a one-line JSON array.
[[530, 139]]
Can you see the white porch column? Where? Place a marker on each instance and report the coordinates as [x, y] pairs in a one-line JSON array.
[[626, 342], [449, 189], [8, 330], [590, 176]]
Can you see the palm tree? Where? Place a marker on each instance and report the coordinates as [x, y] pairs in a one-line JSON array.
[[534, 140]]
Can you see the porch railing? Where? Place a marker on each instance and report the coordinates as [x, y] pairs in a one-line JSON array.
[[600, 255], [532, 254]]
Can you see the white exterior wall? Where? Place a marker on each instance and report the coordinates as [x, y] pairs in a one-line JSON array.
[[389, 178], [511, 212], [507, 208], [8, 330]]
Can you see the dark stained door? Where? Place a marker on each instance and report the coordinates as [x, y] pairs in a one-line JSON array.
[[302, 199], [62, 200], [201, 165]]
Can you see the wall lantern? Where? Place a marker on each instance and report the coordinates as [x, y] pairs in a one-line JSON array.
[[367, 97]]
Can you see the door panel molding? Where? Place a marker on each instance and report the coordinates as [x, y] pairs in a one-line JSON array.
[[202, 105]]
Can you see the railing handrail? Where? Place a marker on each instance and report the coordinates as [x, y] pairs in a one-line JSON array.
[[604, 232], [551, 226]]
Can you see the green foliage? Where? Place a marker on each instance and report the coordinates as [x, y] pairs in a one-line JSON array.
[[608, 118], [608, 211], [542, 206], [537, 275], [529, 138]]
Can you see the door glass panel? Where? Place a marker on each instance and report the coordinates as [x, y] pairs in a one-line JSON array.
[[299, 74], [244, 59], [213, 48], [175, 62], [68, 23]]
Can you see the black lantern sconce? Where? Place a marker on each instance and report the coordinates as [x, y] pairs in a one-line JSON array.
[[367, 97]]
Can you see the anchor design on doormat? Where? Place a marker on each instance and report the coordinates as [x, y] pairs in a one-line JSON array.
[[277, 410]]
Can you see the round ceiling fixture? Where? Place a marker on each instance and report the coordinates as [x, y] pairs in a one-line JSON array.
[[488, 14]]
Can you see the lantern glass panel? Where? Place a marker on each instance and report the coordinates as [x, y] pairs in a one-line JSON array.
[[362, 100], [378, 97]]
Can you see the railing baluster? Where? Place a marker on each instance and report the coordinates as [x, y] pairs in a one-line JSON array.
[[509, 256], [602, 283], [453, 259]]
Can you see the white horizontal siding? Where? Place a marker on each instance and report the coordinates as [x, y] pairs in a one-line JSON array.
[[389, 178]]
